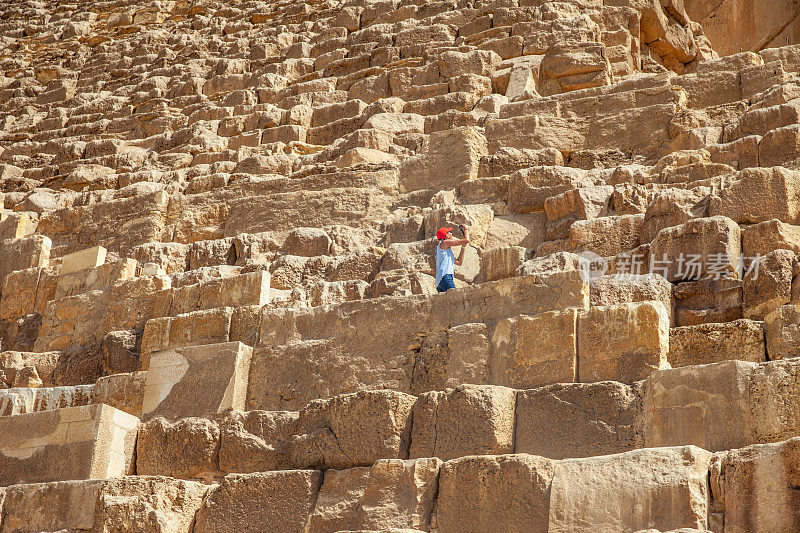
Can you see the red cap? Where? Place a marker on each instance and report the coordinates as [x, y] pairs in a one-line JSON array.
[[442, 233]]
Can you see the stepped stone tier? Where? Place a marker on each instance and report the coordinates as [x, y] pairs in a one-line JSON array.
[[218, 308]]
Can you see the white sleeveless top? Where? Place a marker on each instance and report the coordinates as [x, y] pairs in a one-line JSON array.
[[445, 263]]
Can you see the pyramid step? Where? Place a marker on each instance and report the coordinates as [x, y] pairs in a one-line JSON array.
[[88, 442]]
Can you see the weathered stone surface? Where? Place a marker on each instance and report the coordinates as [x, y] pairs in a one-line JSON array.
[[579, 420], [531, 351], [271, 501], [623, 342], [186, 449], [95, 441], [485, 483], [665, 488], [197, 381], [352, 430], [467, 420], [781, 329], [713, 343], [134, 503], [753, 487], [448, 158], [391, 494]]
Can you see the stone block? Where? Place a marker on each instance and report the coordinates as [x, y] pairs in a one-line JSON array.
[[606, 236], [256, 441], [758, 195], [481, 62], [766, 286], [625, 288], [89, 442], [782, 330], [448, 158], [579, 419], [530, 188], [197, 380], [305, 354], [754, 487], [208, 326], [133, 503], [352, 430], [764, 237], [27, 252], [264, 501], [15, 225], [503, 262], [186, 449], [102, 277], [623, 342], [390, 494], [251, 288], [511, 492], [19, 293], [703, 405], [83, 260], [636, 490], [702, 344], [532, 351], [467, 420], [703, 247]]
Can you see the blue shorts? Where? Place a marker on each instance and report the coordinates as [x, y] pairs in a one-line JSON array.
[[446, 283]]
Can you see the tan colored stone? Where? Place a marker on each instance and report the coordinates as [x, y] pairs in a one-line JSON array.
[[531, 351], [764, 237], [759, 194], [352, 430], [623, 342], [713, 343], [197, 380], [768, 285], [99, 440], [782, 335], [488, 483], [186, 449], [709, 247], [272, 501], [85, 259], [390, 494], [256, 441], [579, 420], [665, 487], [754, 486], [448, 158], [467, 420]]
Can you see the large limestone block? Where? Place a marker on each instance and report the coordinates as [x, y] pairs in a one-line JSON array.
[[352, 430], [755, 487], [531, 351], [758, 195], [485, 494], [264, 501], [764, 237], [606, 236], [197, 380], [713, 343], [467, 420], [622, 288], [530, 188], [391, 494], [19, 293], [623, 342], [14, 225], [27, 252], [704, 405], [251, 288], [703, 247], [579, 419], [208, 326], [256, 441], [94, 441], [480, 62], [768, 285], [82, 260], [186, 449], [502, 262], [782, 329], [664, 488], [135, 503], [448, 158]]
